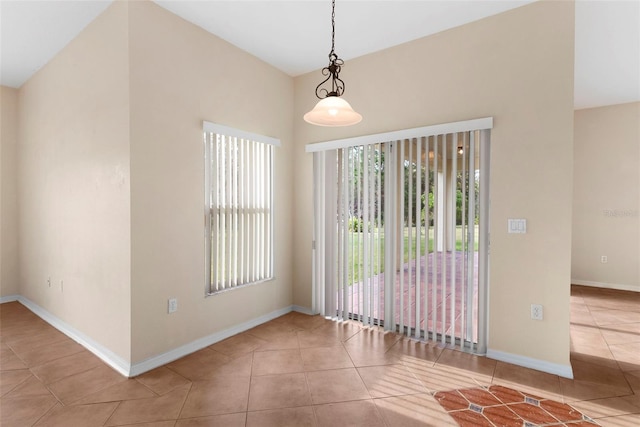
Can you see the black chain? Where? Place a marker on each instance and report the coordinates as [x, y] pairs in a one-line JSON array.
[[333, 28]]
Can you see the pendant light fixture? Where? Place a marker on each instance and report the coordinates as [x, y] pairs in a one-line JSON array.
[[332, 110]]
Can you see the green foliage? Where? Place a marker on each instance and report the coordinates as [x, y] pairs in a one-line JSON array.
[[356, 224]]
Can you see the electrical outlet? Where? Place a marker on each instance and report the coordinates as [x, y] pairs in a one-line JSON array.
[[49, 281], [604, 259], [173, 305], [536, 311]]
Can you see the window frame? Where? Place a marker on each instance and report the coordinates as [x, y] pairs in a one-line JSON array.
[[242, 208]]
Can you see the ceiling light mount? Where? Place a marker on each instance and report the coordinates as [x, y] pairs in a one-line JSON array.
[[332, 110]]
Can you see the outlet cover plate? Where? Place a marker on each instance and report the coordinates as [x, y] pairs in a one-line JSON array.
[[173, 305], [536, 312]]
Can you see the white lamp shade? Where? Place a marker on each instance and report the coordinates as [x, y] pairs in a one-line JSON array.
[[332, 111]]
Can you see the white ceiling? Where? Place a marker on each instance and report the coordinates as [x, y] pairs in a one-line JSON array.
[[295, 36]]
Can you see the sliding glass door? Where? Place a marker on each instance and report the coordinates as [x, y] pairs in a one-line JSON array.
[[400, 234]]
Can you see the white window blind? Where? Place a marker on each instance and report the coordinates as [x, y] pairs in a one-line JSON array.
[[401, 231], [238, 207]]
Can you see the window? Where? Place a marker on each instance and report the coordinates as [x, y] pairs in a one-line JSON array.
[[238, 207]]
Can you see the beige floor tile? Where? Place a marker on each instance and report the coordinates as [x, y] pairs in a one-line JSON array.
[[239, 366], [621, 334], [287, 320], [362, 356], [238, 345], [24, 411], [598, 351], [615, 317], [238, 374], [609, 407], [409, 349], [443, 378], [169, 423], [627, 355], [163, 408], [599, 374], [361, 413], [272, 329], [633, 378], [9, 361], [286, 417], [198, 365], [78, 416], [600, 358], [582, 318], [225, 420], [309, 339], [11, 379], [628, 301], [18, 329], [528, 380], [53, 351], [225, 395], [390, 380], [29, 387], [577, 305], [575, 390], [126, 390], [587, 336], [309, 323], [280, 341], [373, 339], [78, 386], [319, 358], [621, 421], [278, 391], [40, 339], [341, 330], [481, 368], [66, 366], [577, 298], [277, 362], [418, 410], [162, 380], [337, 385]]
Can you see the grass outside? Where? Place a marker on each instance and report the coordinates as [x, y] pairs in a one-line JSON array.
[[376, 244]]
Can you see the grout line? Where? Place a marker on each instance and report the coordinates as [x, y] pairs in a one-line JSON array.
[[185, 401], [112, 412]]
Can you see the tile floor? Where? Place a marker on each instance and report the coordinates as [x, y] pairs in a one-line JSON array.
[[301, 370]]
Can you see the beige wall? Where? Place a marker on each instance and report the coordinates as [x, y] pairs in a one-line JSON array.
[[111, 179], [606, 197], [518, 68], [8, 192], [180, 76], [73, 181]]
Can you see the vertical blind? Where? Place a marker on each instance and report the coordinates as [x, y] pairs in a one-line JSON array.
[[400, 231], [238, 207]]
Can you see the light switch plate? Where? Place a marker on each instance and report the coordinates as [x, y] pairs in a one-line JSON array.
[[518, 226]]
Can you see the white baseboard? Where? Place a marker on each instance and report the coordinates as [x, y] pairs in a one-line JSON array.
[[303, 310], [539, 365], [199, 344], [131, 370], [9, 298], [106, 355], [616, 286]]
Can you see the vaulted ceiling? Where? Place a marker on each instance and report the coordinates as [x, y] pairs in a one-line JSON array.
[[295, 36]]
